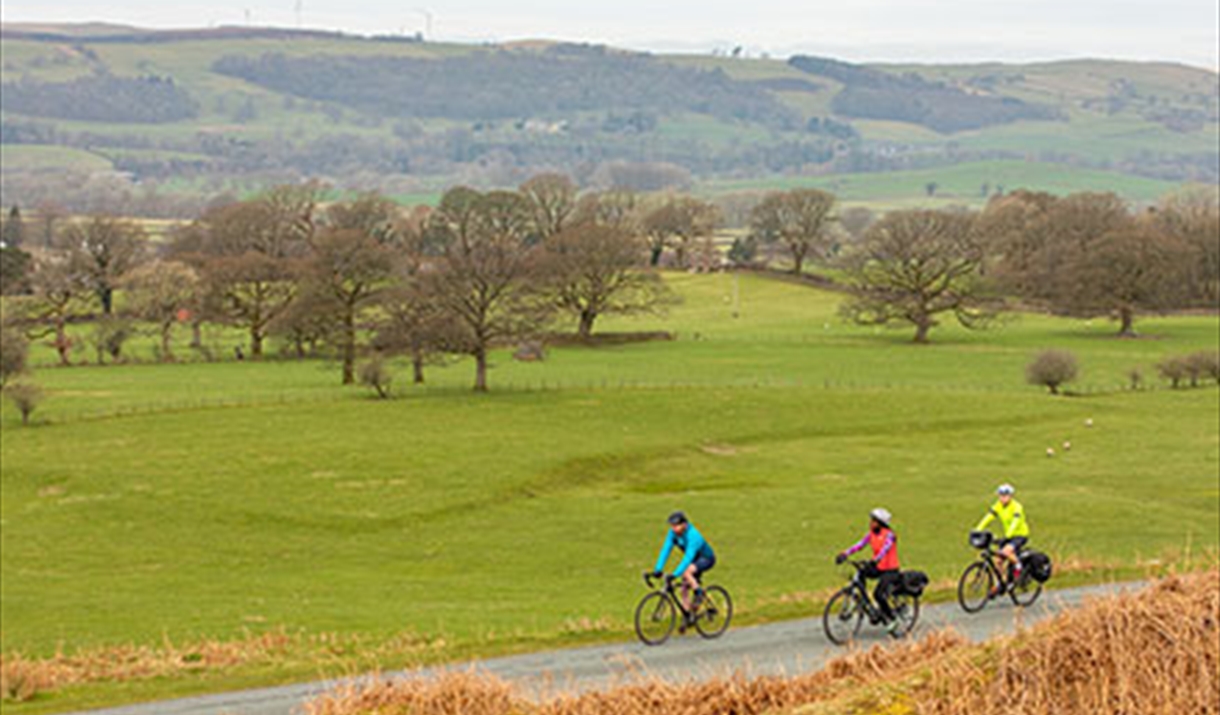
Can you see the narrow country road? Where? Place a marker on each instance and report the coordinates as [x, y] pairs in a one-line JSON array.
[[786, 647]]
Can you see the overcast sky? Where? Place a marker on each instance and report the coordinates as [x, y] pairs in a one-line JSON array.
[[925, 30]]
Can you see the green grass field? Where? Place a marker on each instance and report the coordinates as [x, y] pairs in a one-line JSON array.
[[144, 508]]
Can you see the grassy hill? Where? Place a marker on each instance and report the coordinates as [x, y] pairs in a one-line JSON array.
[[239, 114], [218, 502]]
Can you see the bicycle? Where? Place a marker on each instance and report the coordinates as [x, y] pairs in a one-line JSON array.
[[845, 611], [983, 581], [658, 612]]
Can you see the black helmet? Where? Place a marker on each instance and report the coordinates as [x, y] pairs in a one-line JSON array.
[[677, 518]]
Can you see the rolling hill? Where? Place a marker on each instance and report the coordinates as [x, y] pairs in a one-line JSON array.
[[162, 120]]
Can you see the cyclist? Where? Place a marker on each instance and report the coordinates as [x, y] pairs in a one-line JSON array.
[[884, 565], [1016, 530], [697, 558]]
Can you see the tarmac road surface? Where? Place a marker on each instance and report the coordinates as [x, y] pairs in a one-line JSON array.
[[775, 648]]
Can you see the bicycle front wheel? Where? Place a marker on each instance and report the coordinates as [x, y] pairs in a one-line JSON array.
[[655, 618], [906, 610], [715, 613], [974, 588], [843, 617]]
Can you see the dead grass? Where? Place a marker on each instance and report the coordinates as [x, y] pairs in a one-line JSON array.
[[22, 678], [1153, 653]]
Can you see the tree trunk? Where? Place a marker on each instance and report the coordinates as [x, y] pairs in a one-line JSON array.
[[106, 294], [654, 257], [480, 370], [798, 261], [256, 343], [349, 347], [62, 346], [196, 333], [417, 366], [921, 331], [1127, 317], [586, 323], [167, 353]]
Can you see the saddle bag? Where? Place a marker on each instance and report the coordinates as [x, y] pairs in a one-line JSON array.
[[1039, 565], [912, 583]]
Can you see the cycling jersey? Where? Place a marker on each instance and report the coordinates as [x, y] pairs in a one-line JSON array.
[[884, 544], [691, 544], [1012, 518]]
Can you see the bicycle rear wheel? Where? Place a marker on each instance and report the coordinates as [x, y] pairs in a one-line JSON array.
[[843, 617], [906, 610], [974, 588], [714, 614], [655, 618], [1025, 591]]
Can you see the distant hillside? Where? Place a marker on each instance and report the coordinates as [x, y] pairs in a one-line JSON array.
[[181, 115]]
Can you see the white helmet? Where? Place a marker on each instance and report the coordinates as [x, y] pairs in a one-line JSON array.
[[1005, 490], [881, 515]]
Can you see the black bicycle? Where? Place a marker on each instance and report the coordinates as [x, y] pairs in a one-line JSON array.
[[658, 612], [847, 609], [983, 581]]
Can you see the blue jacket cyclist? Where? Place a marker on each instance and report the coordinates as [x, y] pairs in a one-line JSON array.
[[697, 558]]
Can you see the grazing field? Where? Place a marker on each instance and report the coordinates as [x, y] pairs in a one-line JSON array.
[[198, 502]]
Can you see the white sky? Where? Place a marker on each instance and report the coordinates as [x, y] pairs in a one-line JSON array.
[[923, 30]]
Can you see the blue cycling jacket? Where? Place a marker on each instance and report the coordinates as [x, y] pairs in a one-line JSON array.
[[691, 544]]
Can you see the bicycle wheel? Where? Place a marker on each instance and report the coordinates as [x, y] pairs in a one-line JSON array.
[[843, 617], [715, 612], [655, 618], [974, 588], [906, 610], [1026, 590]]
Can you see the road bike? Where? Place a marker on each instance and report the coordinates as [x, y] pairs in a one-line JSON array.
[[983, 582], [658, 612], [847, 609]]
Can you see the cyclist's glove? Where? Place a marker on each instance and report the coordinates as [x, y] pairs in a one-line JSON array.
[[839, 559]]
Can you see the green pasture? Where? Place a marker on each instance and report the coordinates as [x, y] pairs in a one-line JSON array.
[[210, 500]]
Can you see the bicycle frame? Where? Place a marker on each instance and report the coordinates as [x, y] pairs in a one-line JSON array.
[[859, 586], [670, 590]]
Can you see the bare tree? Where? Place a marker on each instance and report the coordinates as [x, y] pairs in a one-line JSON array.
[[58, 296], [1121, 272], [552, 201], [596, 271], [103, 249], [678, 223], [913, 266], [619, 208], [798, 219], [855, 221], [251, 290], [163, 292], [1192, 217], [485, 271], [370, 214], [349, 267]]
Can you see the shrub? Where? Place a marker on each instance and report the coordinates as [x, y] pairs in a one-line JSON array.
[[1204, 364], [1135, 378], [26, 397], [376, 374], [1174, 369], [1051, 369], [14, 350]]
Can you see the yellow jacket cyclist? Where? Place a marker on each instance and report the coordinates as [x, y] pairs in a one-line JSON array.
[[1016, 528]]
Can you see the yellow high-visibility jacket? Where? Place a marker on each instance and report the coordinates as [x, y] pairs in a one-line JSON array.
[[1012, 518]]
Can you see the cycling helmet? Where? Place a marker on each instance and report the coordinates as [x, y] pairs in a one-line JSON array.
[[881, 515], [1005, 490], [677, 518]]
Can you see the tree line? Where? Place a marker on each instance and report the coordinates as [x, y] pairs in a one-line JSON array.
[[502, 268]]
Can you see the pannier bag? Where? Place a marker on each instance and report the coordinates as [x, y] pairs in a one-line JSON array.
[[1039, 565], [912, 583]]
